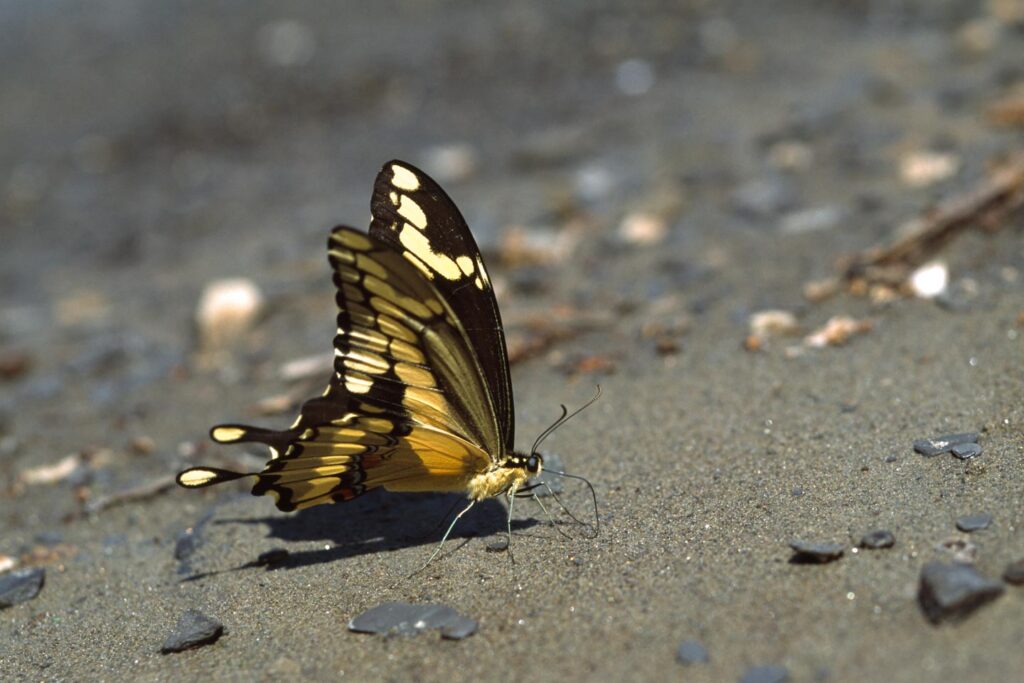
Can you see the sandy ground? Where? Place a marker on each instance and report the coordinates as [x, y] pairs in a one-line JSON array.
[[149, 148]]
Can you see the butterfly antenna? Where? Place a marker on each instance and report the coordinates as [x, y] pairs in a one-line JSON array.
[[563, 418]]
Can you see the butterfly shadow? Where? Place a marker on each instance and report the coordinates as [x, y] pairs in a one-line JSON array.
[[374, 523]]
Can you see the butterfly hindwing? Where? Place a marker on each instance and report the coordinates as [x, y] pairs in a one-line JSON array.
[[412, 214]]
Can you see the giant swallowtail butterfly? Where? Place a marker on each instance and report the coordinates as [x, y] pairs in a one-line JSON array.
[[420, 398]]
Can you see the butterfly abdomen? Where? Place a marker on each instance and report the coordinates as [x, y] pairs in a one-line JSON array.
[[495, 481]]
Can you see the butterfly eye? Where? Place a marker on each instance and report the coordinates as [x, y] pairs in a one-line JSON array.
[[533, 463]]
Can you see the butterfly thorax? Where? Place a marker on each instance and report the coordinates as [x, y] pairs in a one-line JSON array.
[[506, 476]]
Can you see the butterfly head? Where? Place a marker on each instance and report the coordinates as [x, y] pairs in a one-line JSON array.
[[532, 463]]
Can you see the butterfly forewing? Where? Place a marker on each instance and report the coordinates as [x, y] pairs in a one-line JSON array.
[[415, 216]]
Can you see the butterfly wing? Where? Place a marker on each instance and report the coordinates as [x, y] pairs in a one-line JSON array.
[[407, 407], [414, 215]]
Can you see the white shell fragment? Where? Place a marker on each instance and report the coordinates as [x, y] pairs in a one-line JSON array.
[[930, 280], [226, 310]]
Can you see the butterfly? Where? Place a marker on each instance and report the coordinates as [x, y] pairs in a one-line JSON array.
[[421, 397]]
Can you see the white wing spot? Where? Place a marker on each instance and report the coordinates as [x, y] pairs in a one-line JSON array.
[[403, 178], [417, 243], [465, 264], [412, 212]]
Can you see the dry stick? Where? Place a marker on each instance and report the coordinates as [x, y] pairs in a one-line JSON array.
[[987, 206], [141, 492]]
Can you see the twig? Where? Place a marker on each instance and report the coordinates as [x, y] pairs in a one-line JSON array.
[[987, 207], [141, 492]]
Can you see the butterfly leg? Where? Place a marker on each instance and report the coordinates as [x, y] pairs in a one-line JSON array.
[[445, 538], [508, 522], [550, 517]]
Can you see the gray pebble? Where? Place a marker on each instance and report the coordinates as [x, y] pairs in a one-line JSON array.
[[876, 540], [953, 591], [975, 522], [20, 586], [193, 629], [815, 553], [764, 198], [943, 444], [499, 546], [966, 451], [1014, 573], [402, 618], [691, 652], [769, 673]]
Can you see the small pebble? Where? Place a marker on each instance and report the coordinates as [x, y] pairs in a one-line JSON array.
[[975, 522], [499, 546], [966, 451], [193, 629], [20, 586], [773, 323], [691, 652], [960, 549], [805, 552], [770, 673], [272, 557], [226, 310], [763, 198], [401, 618], [811, 220], [876, 540], [185, 545], [1014, 573], [943, 444], [953, 591]]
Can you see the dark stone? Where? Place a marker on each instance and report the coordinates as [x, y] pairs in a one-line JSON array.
[[691, 652], [769, 673], [20, 586], [499, 546], [876, 540], [272, 557], [1014, 573], [975, 522], [953, 591], [185, 545], [402, 618], [966, 451], [194, 629], [805, 552], [891, 458], [943, 444]]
